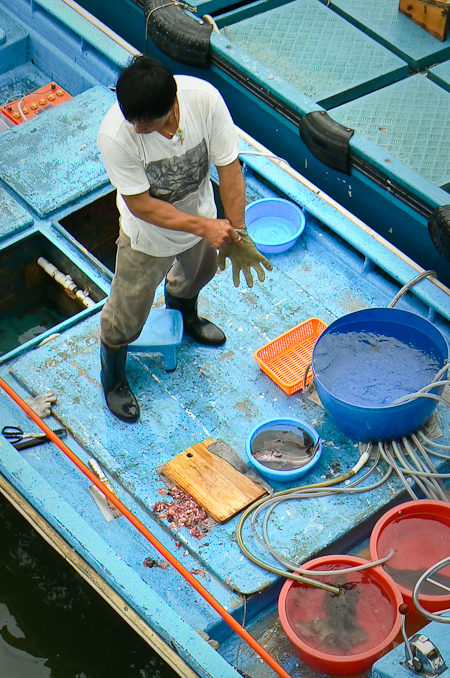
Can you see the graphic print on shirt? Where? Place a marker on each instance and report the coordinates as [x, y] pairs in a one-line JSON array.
[[174, 179]]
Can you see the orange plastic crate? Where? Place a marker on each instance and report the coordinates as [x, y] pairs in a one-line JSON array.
[[285, 359]]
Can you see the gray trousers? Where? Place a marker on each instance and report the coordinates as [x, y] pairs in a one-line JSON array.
[[135, 281]]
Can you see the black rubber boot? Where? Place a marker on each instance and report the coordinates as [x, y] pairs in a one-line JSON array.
[[118, 395], [201, 330]]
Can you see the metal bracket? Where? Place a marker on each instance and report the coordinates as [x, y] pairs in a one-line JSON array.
[[423, 657]]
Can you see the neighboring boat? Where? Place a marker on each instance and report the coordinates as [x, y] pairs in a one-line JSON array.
[[188, 591], [336, 88]]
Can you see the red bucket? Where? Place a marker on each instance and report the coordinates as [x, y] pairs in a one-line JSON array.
[[342, 633], [419, 532]]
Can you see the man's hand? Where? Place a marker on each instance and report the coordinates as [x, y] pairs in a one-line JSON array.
[[218, 232], [244, 256]]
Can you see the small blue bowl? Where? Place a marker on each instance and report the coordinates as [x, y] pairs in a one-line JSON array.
[[293, 426], [274, 224]]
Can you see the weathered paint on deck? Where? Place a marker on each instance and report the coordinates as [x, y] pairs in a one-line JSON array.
[[65, 164], [336, 267]]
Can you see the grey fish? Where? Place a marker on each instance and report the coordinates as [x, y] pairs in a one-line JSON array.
[[339, 630], [283, 452], [409, 578]]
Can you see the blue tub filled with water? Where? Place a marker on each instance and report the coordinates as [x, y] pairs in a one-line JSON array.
[[366, 361], [274, 224]]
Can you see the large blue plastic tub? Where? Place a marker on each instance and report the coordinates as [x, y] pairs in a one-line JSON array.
[[366, 360]]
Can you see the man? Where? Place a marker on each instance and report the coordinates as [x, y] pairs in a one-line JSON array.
[[157, 143]]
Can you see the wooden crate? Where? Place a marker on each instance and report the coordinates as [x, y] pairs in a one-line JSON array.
[[432, 15]]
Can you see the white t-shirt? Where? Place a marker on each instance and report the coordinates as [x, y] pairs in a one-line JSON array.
[[172, 171]]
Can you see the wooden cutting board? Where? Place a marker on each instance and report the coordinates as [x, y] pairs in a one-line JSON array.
[[214, 484]]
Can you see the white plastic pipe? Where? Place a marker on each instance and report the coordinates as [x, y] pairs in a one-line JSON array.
[[66, 281]]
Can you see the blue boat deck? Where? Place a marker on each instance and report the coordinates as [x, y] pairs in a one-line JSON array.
[[409, 120], [337, 54], [441, 75], [275, 62], [337, 266], [218, 393], [316, 52], [79, 171], [384, 23]]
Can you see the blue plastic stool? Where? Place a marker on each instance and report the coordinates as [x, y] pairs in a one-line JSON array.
[[162, 333]]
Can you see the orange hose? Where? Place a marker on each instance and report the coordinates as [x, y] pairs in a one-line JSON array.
[[226, 616]]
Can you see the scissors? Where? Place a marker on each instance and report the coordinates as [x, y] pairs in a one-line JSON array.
[[21, 440]]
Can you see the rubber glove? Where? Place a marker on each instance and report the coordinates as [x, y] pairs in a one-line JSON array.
[[244, 256], [42, 405]]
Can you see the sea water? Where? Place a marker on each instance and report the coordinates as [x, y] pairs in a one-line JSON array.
[[52, 624], [373, 369]]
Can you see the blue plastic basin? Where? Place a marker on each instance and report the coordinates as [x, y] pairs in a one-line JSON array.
[[364, 361], [274, 224], [286, 424]]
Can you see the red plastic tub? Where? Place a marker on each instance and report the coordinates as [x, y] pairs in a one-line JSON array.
[[346, 633], [419, 531]]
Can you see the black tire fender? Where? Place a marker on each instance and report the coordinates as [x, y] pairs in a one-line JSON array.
[[439, 228], [327, 140], [179, 36]]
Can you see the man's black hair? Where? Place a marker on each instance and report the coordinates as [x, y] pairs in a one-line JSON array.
[[146, 90]]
